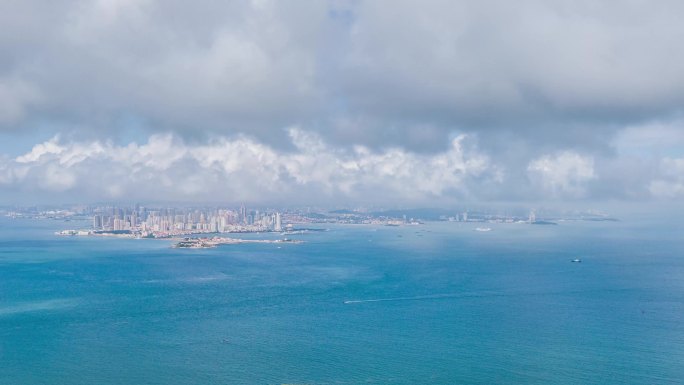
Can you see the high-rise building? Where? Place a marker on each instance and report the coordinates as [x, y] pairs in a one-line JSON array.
[[278, 223]]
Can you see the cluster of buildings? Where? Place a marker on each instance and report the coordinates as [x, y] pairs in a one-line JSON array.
[[478, 217], [178, 221], [155, 222]]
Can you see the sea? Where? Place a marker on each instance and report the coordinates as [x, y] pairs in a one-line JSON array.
[[437, 303]]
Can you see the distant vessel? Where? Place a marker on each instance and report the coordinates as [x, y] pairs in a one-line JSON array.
[[483, 229], [577, 260]]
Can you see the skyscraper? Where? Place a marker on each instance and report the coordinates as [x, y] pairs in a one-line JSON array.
[[243, 215], [278, 224]]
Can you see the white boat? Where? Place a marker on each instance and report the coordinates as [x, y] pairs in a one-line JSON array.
[[577, 260], [483, 229]]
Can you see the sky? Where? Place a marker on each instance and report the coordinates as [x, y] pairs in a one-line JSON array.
[[341, 102]]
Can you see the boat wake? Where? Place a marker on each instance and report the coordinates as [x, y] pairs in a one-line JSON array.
[[484, 294]]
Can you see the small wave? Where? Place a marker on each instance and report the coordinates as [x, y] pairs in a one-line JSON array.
[[188, 280], [207, 278], [417, 298], [53, 304], [427, 297]]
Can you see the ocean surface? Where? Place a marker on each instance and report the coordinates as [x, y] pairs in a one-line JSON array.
[[438, 303]]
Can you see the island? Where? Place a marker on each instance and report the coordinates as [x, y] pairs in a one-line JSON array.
[[207, 243]]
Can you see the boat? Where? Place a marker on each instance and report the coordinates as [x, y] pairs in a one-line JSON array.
[[577, 260], [483, 229]]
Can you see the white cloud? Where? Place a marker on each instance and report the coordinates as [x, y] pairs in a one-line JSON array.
[[240, 168], [562, 175]]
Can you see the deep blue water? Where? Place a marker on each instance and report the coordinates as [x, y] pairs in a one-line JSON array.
[[457, 306]]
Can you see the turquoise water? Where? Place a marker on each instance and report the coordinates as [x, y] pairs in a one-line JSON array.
[[456, 306]]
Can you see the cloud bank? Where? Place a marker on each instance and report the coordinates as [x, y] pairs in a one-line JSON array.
[[242, 169], [437, 100]]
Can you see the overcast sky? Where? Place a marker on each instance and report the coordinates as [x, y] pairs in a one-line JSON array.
[[394, 102]]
